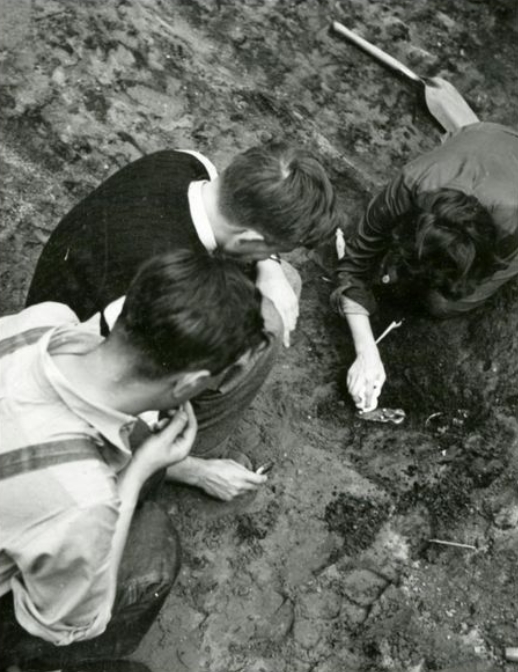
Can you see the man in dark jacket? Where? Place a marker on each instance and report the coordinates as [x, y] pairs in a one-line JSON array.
[[268, 200]]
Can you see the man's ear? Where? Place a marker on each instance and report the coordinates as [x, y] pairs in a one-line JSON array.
[[186, 384], [249, 244], [248, 235]]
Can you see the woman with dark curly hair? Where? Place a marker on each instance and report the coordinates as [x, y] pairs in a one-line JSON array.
[[443, 233]]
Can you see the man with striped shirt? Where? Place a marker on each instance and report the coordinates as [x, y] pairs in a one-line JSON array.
[[83, 569]]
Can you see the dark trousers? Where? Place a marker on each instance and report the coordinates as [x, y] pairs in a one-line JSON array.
[[219, 410], [148, 570]]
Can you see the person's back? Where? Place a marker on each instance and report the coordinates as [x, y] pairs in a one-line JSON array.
[[97, 248]]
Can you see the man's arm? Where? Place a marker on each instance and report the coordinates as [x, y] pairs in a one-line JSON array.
[[365, 248], [61, 593], [274, 285], [220, 478], [68, 569], [169, 445], [353, 298]]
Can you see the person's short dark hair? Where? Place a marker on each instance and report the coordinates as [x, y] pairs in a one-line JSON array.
[[281, 192], [188, 311], [448, 242]]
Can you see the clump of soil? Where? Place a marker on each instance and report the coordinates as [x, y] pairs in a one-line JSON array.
[[357, 519], [252, 526]]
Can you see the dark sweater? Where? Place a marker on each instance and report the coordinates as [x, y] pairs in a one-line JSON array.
[[140, 211]]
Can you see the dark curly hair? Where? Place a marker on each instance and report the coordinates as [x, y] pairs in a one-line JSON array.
[[446, 242]]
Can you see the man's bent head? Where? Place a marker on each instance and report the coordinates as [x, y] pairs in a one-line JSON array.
[[188, 311], [280, 192]]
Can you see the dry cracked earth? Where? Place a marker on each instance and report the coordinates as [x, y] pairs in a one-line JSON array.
[[332, 567]]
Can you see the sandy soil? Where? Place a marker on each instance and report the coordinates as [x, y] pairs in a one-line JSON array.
[[331, 568]]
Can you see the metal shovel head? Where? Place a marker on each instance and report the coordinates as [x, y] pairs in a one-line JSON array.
[[447, 105]]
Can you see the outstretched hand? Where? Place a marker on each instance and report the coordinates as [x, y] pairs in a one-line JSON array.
[[226, 479], [365, 379]]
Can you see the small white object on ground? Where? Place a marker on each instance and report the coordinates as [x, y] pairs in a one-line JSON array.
[[511, 654], [453, 543]]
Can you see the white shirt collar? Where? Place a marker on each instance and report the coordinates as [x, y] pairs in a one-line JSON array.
[[198, 213], [199, 216]]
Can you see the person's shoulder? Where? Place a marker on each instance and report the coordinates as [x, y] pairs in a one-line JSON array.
[[479, 135], [73, 479], [487, 127], [167, 165], [177, 156], [201, 158], [42, 315]]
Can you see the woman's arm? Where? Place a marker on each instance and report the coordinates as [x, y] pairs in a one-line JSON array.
[[353, 297], [366, 376], [365, 249]]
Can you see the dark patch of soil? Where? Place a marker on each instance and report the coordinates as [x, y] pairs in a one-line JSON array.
[[356, 519]]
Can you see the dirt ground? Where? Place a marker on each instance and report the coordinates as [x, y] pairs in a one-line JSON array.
[[331, 568]]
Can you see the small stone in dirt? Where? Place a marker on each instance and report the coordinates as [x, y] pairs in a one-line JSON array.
[[277, 626], [363, 587], [395, 29], [507, 518], [421, 58], [445, 20], [249, 527]]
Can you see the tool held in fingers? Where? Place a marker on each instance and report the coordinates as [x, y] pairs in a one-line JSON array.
[[443, 100]]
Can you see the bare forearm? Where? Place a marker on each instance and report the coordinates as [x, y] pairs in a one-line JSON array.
[[366, 376], [361, 332], [190, 471]]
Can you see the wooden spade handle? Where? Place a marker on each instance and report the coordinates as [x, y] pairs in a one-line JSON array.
[[376, 52]]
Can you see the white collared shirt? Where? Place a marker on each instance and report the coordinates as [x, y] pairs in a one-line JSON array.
[[57, 522]]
